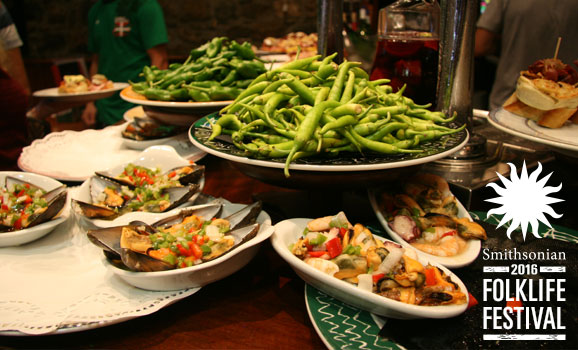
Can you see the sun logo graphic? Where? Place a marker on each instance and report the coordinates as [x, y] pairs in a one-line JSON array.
[[524, 200]]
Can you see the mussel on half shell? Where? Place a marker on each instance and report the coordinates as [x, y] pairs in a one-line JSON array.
[[55, 199], [130, 244]]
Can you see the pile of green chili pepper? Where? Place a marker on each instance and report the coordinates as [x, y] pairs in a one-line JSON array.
[[312, 106], [218, 70]]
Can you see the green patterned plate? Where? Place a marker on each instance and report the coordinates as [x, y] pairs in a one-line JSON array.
[[341, 326]]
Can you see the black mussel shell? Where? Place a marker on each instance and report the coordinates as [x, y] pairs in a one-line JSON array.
[[245, 216], [56, 200], [206, 211], [193, 177], [92, 211], [142, 262]]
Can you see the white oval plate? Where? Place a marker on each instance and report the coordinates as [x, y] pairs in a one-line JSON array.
[[466, 257], [565, 137], [288, 232], [129, 95], [162, 157], [14, 238], [53, 93], [202, 274]]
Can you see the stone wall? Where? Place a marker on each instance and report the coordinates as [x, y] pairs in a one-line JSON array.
[[58, 29]]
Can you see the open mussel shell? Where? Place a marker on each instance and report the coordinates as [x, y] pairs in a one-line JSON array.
[[108, 239], [112, 178], [98, 185], [241, 235], [93, 211], [245, 216], [142, 262], [193, 173], [11, 181], [179, 195], [210, 210], [55, 199], [186, 174]]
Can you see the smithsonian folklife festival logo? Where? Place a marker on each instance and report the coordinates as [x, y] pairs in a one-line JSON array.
[[525, 290]]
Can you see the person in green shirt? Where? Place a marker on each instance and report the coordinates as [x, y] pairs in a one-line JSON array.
[[124, 36]]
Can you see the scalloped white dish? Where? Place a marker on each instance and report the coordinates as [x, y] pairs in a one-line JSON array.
[[87, 96], [288, 232], [27, 235], [76, 155], [466, 257], [162, 157], [202, 274]]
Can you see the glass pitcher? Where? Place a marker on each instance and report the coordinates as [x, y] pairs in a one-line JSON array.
[[408, 48]]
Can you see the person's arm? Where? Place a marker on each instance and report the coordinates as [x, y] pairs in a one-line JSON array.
[[485, 42], [159, 57], [89, 114], [16, 68]]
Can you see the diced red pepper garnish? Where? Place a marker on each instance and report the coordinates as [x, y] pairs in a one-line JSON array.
[[18, 224], [317, 253], [28, 199], [472, 301], [172, 174], [196, 251], [514, 303], [377, 277], [22, 192], [198, 239], [449, 233], [430, 277], [183, 250], [5, 207], [342, 231], [334, 247]]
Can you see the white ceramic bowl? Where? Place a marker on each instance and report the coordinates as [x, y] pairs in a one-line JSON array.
[[466, 257], [202, 274], [27, 235], [288, 232], [163, 157]]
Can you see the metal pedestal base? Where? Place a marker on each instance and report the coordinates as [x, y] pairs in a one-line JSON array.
[[468, 176]]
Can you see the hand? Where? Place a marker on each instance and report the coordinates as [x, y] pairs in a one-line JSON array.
[[89, 114]]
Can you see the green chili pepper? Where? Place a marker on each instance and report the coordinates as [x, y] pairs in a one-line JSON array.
[[381, 147], [229, 79], [181, 94], [243, 50], [157, 94], [198, 96], [214, 47]]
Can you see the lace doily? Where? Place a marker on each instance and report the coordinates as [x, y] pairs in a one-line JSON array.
[[59, 284]]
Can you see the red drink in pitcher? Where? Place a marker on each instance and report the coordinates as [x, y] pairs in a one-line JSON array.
[[411, 60]]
